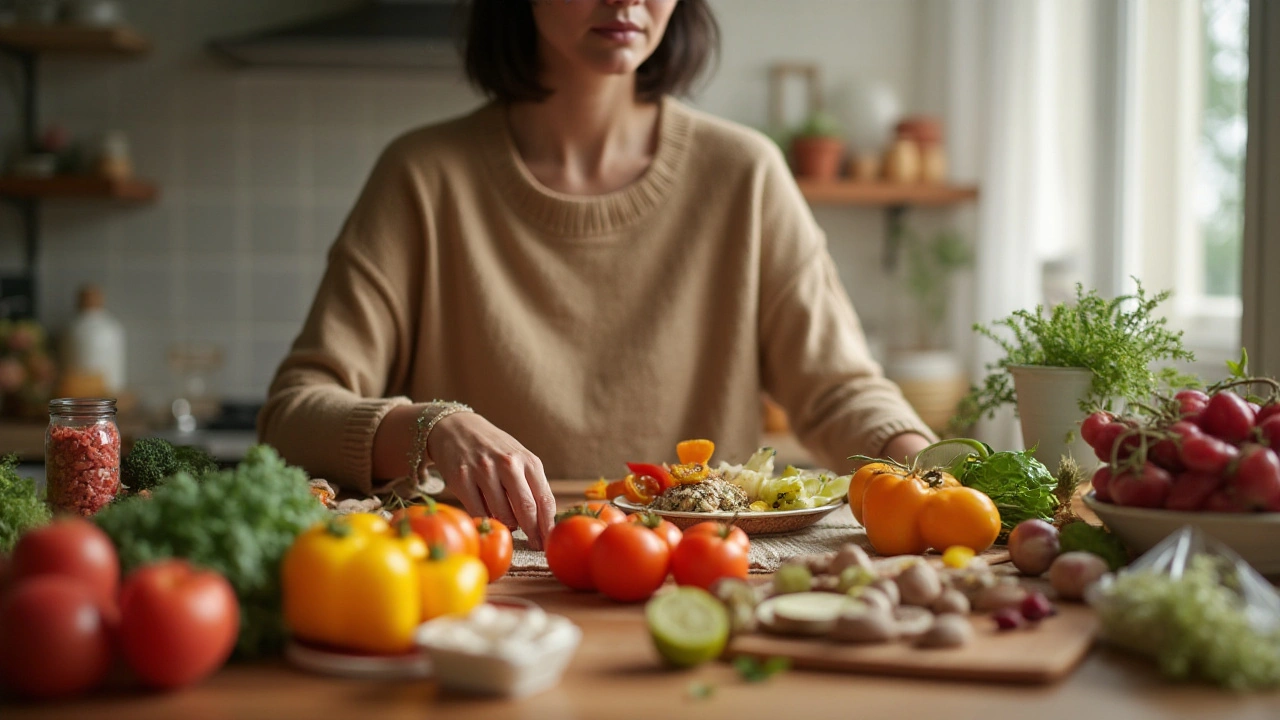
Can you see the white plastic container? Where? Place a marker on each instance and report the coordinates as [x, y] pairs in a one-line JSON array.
[[502, 651], [95, 342]]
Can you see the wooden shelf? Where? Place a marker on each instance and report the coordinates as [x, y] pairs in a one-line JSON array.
[[73, 39], [848, 192], [77, 186]]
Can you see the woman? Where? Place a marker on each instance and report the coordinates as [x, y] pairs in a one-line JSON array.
[[597, 270]]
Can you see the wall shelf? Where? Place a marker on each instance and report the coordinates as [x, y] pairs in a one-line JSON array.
[[878, 194], [894, 198], [25, 44], [77, 186], [70, 39]]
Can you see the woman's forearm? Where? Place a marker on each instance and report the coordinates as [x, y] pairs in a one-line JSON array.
[[393, 442]]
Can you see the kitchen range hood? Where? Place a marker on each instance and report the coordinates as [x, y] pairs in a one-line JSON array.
[[391, 34]]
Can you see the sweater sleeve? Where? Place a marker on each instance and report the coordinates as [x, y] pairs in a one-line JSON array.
[[331, 391], [814, 357]]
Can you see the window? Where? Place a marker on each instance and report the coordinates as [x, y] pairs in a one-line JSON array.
[[1190, 64]]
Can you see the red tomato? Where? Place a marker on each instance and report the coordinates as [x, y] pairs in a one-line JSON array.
[[443, 525], [569, 550], [178, 623], [495, 546], [70, 546], [665, 529], [629, 562], [54, 642], [606, 511], [702, 559], [718, 529]]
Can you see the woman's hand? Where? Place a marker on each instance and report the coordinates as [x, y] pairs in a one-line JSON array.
[[493, 474]]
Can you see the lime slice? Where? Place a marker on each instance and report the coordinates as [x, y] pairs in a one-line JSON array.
[[688, 625], [950, 453]]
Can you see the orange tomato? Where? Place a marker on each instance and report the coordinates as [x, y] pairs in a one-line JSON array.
[[959, 516], [858, 484], [440, 524], [640, 490], [695, 452], [495, 546], [891, 507]]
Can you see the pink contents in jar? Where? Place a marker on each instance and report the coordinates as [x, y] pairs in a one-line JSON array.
[[82, 465]]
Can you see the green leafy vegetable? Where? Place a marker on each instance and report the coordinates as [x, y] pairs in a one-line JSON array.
[[153, 460], [21, 508], [1120, 340], [1020, 486], [1194, 626], [1093, 539], [754, 670], [238, 522]]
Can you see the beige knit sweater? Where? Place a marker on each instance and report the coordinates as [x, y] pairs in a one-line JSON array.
[[595, 330]]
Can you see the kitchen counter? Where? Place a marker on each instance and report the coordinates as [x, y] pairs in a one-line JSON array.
[[616, 673]]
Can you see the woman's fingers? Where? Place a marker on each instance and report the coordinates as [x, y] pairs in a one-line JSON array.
[[492, 486], [543, 497], [511, 471], [469, 493]]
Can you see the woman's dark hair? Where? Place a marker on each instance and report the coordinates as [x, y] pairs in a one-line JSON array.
[[501, 50]]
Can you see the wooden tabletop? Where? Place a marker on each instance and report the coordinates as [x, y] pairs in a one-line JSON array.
[[616, 674]]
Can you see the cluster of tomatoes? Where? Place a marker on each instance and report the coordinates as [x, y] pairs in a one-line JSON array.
[[1203, 452], [628, 557], [65, 616], [908, 510], [453, 530]]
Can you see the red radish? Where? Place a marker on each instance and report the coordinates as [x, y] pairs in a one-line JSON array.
[[1269, 429], [1148, 489], [1185, 429], [1191, 489], [1108, 435], [1268, 411], [1228, 417], [1102, 484], [1165, 454], [1191, 402], [1256, 480], [1091, 425], [1224, 501], [1207, 454]]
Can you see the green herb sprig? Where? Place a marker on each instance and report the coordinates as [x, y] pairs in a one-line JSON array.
[[21, 508], [1119, 340]]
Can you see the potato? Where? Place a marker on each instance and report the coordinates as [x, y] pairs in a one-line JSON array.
[[1000, 596], [948, 630], [1073, 572], [851, 555], [919, 585], [951, 601]]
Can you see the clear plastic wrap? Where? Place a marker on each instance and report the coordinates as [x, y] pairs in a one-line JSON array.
[[1197, 609]]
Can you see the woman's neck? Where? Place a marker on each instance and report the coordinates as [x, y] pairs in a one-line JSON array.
[[587, 138]]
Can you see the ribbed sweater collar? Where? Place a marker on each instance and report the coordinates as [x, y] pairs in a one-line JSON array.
[[586, 215]]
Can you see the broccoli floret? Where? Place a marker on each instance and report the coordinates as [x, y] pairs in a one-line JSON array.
[[149, 461], [21, 509], [194, 461], [1094, 539]]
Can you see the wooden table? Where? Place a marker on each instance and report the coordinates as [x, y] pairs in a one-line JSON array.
[[616, 674]]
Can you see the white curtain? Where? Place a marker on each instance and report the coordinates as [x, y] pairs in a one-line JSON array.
[[1017, 105]]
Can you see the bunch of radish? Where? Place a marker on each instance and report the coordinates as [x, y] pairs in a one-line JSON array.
[[1210, 451]]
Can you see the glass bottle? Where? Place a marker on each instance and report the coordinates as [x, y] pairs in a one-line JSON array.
[[82, 454]]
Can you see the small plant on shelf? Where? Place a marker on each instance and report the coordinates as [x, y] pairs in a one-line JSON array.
[[817, 147]]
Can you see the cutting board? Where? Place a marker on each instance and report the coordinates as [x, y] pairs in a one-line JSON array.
[[1043, 654]]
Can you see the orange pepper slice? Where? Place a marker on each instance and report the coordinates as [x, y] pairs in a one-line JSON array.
[[695, 452], [640, 490], [616, 488], [689, 474], [596, 490]]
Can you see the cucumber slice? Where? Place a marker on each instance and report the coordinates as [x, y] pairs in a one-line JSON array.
[[688, 626]]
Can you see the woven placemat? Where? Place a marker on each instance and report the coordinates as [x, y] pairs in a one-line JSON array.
[[767, 551]]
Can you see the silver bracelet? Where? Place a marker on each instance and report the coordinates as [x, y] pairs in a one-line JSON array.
[[434, 412]]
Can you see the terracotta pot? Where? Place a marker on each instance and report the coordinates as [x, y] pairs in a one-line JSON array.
[[817, 157]]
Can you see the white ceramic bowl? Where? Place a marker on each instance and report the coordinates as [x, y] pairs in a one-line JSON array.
[[1254, 536], [512, 670]]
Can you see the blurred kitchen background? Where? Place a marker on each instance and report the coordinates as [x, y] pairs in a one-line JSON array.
[[192, 160]]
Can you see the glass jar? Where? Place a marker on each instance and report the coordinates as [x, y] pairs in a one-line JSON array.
[[82, 454]]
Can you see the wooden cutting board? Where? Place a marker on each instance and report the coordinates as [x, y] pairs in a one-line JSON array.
[[1028, 655]]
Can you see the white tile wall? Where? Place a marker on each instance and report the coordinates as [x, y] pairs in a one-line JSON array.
[[258, 168]]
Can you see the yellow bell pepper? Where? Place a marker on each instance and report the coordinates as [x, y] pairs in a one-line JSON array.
[[451, 584], [355, 582]]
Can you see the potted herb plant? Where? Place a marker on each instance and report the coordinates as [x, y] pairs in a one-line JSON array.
[[1078, 357], [817, 148]]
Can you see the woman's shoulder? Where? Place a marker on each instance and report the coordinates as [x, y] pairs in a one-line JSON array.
[[442, 143], [729, 144]]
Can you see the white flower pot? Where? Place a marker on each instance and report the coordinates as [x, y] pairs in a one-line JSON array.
[[1049, 410]]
